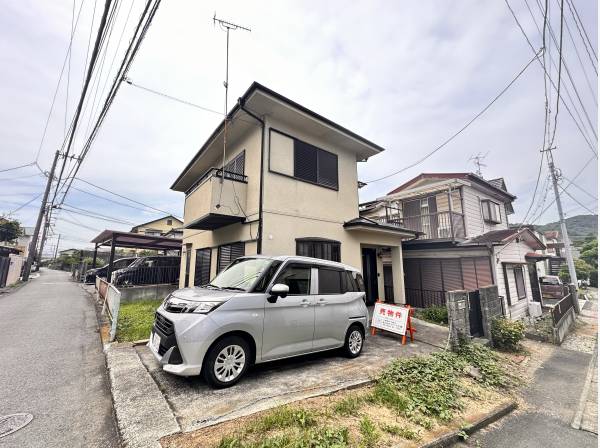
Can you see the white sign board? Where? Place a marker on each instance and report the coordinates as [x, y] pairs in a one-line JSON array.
[[391, 318]]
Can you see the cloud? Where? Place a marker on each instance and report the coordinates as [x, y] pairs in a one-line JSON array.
[[404, 74]]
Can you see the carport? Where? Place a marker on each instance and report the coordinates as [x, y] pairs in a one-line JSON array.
[[128, 240]]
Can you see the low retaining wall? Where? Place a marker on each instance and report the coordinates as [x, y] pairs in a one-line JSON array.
[[562, 328], [135, 293]]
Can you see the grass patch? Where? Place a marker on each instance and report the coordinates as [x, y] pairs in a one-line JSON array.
[[411, 398], [136, 319], [401, 431]]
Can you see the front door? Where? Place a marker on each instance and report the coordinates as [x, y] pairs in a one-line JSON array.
[[388, 284], [369, 265], [289, 323]]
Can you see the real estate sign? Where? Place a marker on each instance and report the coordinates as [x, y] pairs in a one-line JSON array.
[[391, 318]]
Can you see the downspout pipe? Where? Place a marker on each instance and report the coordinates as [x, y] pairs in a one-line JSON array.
[[259, 236]]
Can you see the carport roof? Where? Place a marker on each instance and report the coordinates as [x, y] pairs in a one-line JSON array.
[[136, 240]]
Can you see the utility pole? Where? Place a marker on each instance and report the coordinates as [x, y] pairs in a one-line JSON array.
[[32, 246], [44, 234], [56, 249], [554, 172]]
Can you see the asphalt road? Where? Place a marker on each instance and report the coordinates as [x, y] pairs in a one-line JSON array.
[[552, 401], [53, 367]]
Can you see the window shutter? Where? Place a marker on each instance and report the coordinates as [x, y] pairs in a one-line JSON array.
[[305, 161], [484, 271], [202, 271], [469, 274], [328, 169], [228, 253], [451, 274]]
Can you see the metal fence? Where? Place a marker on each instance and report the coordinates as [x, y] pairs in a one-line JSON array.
[[154, 275], [561, 308], [423, 298]]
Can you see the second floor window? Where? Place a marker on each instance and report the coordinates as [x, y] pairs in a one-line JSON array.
[[315, 165], [491, 212]]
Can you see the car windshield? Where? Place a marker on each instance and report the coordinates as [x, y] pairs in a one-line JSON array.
[[241, 274]]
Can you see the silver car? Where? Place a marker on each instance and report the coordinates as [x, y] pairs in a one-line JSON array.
[[260, 309]]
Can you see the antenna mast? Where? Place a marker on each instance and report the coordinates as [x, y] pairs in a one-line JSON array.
[[227, 26], [477, 160]]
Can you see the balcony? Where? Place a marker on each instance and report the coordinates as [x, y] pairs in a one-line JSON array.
[[215, 201], [440, 225]]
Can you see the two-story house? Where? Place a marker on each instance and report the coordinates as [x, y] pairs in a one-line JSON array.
[[466, 242], [282, 181], [159, 227]]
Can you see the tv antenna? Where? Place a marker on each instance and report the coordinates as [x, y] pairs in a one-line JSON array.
[[478, 161], [226, 26]]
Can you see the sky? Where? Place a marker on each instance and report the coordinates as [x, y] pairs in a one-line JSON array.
[[405, 75]]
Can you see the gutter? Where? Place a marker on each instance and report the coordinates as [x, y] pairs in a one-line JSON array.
[[242, 102]]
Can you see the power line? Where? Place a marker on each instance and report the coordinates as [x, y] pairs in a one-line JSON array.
[[571, 196], [579, 188], [124, 197], [25, 204], [93, 214], [113, 201], [456, 134], [62, 70], [549, 78], [141, 28], [17, 167], [576, 17], [560, 64]]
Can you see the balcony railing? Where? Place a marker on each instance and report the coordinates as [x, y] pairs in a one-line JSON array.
[[440, 225], [215, 200]]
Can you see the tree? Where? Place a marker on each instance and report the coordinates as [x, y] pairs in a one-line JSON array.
[[582, 269], [589, 253], [10, 229]]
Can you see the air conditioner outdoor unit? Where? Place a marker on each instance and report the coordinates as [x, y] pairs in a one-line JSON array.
[[535, 309]]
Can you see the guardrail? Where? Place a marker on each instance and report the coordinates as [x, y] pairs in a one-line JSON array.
[[111, 297]]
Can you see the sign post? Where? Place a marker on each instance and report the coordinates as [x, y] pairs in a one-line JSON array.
[[393, 318]]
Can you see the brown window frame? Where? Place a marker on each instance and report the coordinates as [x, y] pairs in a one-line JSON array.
[[486, 206], [519, 269]]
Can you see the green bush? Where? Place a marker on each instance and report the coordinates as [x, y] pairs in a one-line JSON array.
[[435, 314], [507, 334]]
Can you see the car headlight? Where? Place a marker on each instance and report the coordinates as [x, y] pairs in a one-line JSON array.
[[204, 307]]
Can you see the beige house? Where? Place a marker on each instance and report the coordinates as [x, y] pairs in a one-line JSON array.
[[466, 241], [158, 227], [289, 187]]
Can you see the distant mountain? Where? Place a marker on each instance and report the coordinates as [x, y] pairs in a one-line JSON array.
[[578, 226]]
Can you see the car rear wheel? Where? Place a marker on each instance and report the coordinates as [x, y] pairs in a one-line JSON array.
[[355, 338], [226, 362]]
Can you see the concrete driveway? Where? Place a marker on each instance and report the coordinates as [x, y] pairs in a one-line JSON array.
[[194, 405]]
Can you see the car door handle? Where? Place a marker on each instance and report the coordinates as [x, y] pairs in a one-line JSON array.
[[322, 302], [305, 303]]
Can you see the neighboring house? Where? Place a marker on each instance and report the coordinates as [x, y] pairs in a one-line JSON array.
[[466, 242], [24, 240], [175, 233], [69, 252], [158, 227], [556, 249], [289, 187]]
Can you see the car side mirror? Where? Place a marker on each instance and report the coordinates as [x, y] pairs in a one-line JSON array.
[[278, 290]]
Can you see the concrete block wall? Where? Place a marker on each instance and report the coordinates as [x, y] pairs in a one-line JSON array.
[[491, 307], [457, 303]]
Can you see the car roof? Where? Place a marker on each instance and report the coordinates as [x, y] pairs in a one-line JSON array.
[[306, 260]]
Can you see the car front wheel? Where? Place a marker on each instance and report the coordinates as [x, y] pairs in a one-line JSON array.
[[226, 362], [355, 338]]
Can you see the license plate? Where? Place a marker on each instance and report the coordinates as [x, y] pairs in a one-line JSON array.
[[155, 342]]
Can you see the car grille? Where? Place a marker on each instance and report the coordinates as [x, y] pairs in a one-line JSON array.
[[163, 324]]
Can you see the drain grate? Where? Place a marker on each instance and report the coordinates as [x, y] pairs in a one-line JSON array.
[[13, 422]]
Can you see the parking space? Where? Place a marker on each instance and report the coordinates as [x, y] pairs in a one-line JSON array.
[[196, 405]]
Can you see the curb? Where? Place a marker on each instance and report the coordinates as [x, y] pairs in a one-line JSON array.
[[576, 423], [454, 437]]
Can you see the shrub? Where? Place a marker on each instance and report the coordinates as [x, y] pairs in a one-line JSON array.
[[435, 314], [506, 334], [369, 432]]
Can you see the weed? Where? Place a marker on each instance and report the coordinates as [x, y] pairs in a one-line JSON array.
[[136, 319], [230, 442], [324, 438], [400, 431], [369, 432], [434, 314], [507, 334], [462, 434], [387, 394], [348, 406], [285, 417], [487, 362]]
